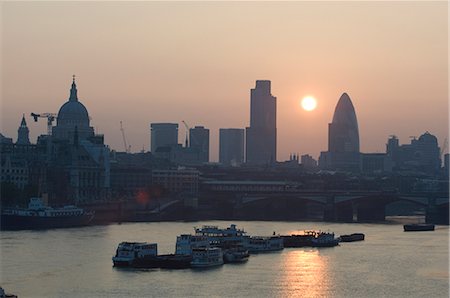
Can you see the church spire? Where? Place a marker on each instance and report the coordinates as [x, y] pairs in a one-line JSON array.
[[23, 137], [73, 90]]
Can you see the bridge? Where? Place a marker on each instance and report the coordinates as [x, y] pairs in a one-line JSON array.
[[340, 206]]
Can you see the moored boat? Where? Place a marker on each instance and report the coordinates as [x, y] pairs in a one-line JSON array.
[[352, 237], [39, 216], [324, 239], [136, 254], [258, 244], [418, 227], [235, 255], [204, 257]]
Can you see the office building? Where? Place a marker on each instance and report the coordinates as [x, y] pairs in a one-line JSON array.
[[199, 141], [231, 146], [163, 135], [261, 136]]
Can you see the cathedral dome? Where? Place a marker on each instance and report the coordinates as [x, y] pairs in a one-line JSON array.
[[73, 112]]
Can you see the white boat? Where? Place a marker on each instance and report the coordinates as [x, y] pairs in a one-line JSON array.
[[235, 255], [204, 257], [230, 236], [185, 243], [40, 216], [136, 254], [264, 244]]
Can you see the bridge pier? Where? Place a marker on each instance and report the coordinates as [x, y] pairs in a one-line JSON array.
[[329, 213], [431, 213]]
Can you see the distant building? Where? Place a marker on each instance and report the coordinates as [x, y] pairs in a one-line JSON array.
[[163, 134], [231, 146], [308, 161], [199, 140], [343, 139], [73, 116], [130, 173], [446, 164], [422, 154], [261, 136], [376, 163], [78, 167], [177, 182], [23, 132]]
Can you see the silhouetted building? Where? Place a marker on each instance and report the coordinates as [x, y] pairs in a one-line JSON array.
[[446, 164], [199, 140], [78, 167], [261, 136], [422, 154], [163, 134], [130, 173], [177, 182], [73, 115], [231, 146], [308, 161], [376, 163], [343, 139], [23, 132]]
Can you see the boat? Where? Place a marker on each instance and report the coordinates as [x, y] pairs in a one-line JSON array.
[[3, 294], [136, 254], [324, 239], [145, 255], [418, 227], [39, 216], [235, 255], [299, 240], [186, 242], [352, 237], [204, 257], [223, 237], [259, 244]]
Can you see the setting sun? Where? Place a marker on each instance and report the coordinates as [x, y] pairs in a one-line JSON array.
[[309, 103]]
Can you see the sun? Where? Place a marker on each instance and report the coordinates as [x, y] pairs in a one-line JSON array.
[[309, 103]]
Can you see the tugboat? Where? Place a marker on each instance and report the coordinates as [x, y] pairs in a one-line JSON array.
[[418, 227], [40, 216], [204, 257]]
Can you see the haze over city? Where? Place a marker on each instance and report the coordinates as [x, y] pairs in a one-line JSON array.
[[197, 61]]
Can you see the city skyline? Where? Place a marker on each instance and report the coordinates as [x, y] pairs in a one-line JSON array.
[[401, 75]]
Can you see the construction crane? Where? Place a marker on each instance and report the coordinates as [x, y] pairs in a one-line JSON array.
[[50, 118], [127, 148]]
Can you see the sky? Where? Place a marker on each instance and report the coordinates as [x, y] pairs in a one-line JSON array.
[[144, 62]]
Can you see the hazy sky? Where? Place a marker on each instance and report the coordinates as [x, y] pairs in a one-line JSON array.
[[143, 62]]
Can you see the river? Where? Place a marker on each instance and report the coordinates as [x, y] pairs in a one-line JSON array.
[[77, 263]]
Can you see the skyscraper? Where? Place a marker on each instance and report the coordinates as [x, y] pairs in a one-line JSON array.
[[261, 136], [231, 146], [23, 133], [343, 138], [199, 140], [163, 134]]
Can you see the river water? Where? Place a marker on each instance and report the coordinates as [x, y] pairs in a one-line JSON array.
[[77, 263]]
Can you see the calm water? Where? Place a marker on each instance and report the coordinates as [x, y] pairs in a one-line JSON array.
[[77, 263]]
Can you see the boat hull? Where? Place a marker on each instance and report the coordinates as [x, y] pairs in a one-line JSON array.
[[418, 227], [19, 222], [352, 237]]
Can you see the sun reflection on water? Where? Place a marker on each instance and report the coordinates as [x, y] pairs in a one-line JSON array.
[[305, 274]]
